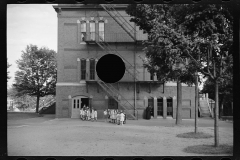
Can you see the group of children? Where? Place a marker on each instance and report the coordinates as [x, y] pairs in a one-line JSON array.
[[88, 114], [115, 116]]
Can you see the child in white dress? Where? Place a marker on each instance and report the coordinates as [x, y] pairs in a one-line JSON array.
[[95, 114], [92, 115], [122, 118], [118, 118]]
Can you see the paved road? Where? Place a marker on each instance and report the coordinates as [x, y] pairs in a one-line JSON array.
[[48, 136]]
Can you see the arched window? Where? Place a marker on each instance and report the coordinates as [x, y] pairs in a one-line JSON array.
[[92, 31], [83, 31], [92, 69], [83, 69], [101, 30]]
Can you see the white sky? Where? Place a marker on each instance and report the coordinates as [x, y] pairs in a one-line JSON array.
[[29, 24]]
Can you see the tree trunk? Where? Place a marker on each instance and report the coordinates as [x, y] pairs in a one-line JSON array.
[[196, 104], [37, 106], [179, 103], [216, 129]]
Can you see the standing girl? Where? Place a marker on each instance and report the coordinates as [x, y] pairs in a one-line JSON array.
[[122, 116], [92, 115]]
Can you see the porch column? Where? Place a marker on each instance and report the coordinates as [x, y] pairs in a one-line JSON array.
[[164, 107], [155, 107], [70, 106], [106, 102], [174, 107], [78, 69]]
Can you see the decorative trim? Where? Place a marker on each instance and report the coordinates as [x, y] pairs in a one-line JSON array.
[[96, 21], [83, 18], [70, 84], [106, 97], [174, 97], [78, 59], [101, 18], [78, 21], [92, 18], [105, 21]]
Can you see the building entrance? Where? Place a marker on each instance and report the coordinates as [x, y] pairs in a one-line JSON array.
[[77, 103], [170, 107], [85, 102]]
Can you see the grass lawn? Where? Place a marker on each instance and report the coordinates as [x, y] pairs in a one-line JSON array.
[[197, 135], [209, 149]]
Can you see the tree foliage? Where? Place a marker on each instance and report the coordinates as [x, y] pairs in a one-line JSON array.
[[8, 65], [202, 34], [37, 72]]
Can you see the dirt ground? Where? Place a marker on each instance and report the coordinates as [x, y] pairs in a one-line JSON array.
[[46, 136]]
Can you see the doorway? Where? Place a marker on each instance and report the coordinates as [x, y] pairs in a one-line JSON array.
[[77, 103], [160, 107], [170, 107], [85, 101]]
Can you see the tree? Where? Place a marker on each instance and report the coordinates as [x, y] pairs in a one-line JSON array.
[[202, 33], [38, 72], [166, 46], [8, 65]]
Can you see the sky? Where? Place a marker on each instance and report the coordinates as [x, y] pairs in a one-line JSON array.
[[29, 24]]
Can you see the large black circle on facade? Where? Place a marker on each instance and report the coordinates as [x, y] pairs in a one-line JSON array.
[[110, 68]]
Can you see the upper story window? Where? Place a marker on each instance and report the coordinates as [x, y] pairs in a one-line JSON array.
[[101, 31], [83, 30], [92, 69], [83, 69], [92, 30]]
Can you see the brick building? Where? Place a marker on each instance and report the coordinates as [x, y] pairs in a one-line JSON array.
[[85, 34]]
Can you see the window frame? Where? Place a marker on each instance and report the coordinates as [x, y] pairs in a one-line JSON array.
[[83, 33], [83, 71], [92, 33], [92, 69], [101, 31]]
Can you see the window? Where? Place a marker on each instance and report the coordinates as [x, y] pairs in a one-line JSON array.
[[74, 103], [92, 31], [83, 31], [92, 69], [78, 103], [101, 31], [160, 107], [169, 107], [83, 69]]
